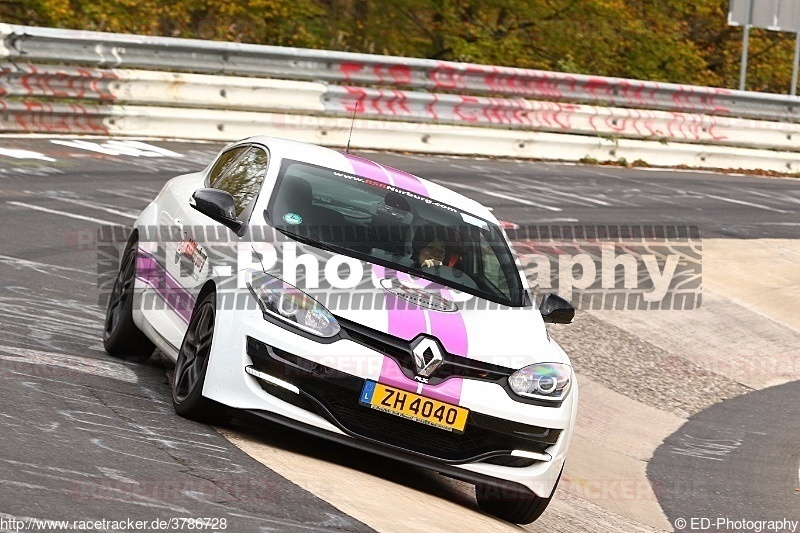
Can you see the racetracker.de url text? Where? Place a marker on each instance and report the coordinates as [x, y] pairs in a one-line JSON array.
[[123, 524]]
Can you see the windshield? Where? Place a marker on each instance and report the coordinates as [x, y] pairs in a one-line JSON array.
[[395, 228]]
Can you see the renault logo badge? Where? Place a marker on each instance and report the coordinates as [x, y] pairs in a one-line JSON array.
[[427, 356]]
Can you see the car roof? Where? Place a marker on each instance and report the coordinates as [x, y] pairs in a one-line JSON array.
[[328, 157]]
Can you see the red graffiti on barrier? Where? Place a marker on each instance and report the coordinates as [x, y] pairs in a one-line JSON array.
[[35, 116], [691, 99], [431, 107], [509, 81], [53, 82], [377, 102], [465, 111], [400, 74], [553, 87], [538, 115], [349, 70], [380, 74], [445, 77], [562, 114]]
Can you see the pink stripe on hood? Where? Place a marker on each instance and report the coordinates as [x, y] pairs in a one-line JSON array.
[[406, 322], [450, 329], [392, 375], [448, 391]]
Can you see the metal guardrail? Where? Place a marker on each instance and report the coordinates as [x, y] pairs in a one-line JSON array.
[[412, 104], [52, 84], [49, 45]]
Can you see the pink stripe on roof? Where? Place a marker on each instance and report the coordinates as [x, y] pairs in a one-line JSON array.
[[367, 169], [407, 181], [391, 176]]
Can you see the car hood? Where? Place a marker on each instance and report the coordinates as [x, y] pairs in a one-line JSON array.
[[404, 306], [509, 337]]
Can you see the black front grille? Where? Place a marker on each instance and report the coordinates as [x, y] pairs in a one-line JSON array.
[[334, 395], [400, 351]]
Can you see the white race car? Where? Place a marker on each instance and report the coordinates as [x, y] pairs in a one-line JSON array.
[[354, 302]]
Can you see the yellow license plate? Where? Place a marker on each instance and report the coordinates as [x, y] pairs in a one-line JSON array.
[[413, 406]]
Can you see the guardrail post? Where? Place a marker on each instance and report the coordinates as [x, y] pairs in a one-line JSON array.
[[796, 64], [745, 45]]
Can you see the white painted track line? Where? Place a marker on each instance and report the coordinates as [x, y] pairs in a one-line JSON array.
[[63, 213]]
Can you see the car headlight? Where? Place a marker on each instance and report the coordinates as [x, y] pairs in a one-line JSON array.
[[543, 381], [286, 302]]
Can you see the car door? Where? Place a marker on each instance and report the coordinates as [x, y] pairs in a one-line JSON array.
[[207, 248]]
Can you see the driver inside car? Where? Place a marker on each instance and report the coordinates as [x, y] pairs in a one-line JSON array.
[[431, 254], [436, 246]]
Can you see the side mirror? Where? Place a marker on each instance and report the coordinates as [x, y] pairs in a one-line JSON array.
[[217, 205], [556, 310]]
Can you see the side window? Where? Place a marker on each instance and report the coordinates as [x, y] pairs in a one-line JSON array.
[[491, 266], [244, 180], [223, 164]]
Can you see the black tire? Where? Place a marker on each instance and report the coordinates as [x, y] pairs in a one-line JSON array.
[[514, 507], [121, 337], [192, 364]]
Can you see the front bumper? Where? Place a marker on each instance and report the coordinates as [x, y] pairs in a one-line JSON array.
[[326, 404], [475, 478], [333, 395]]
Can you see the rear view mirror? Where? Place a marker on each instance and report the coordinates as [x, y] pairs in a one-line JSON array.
[[556, 310]]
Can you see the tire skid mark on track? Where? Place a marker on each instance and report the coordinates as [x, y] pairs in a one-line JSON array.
[[23, 357], [30, 170], [54, 323], [687, 191], [503, 196], [130, 497], [588, 196], [109, 430], [44, 268], [160, 406], [10, 421], [126, 193]]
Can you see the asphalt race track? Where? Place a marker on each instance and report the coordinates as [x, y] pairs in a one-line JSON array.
[[734, 440], [84, 436]]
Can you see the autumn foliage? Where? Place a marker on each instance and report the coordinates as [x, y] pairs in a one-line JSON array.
[[682, 41]]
